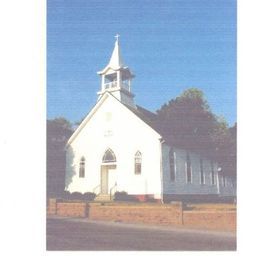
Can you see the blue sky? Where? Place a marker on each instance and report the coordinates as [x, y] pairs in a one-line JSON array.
[[169, 45]]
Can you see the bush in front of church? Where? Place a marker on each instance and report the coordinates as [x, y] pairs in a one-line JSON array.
[[87, 196], [123, 196]]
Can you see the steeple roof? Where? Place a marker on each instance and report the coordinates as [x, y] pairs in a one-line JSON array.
[[116, 61]]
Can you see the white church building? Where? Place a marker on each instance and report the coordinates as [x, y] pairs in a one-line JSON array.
[[117, 148]]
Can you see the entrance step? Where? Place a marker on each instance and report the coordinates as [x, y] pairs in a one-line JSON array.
[[103, 197]]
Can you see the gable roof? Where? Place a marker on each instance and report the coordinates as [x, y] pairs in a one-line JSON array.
[[153, 121], [149, 118], [87, 118], [146, 116]]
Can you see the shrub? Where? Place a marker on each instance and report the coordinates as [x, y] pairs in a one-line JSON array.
[[152, 200], [76, 196], [66, 195], [89, 196], [121, 195]]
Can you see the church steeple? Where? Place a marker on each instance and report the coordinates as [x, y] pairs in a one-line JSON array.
[[116, 78], [116, 59]]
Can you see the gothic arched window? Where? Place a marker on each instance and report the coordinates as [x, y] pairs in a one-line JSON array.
[[138, 162], [109, 156], [172, 165], [202, 176], [212, 174], [224, 181], [188, 169], [82, 167]]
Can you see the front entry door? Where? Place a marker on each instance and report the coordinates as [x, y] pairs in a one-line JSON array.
[[105, 177]]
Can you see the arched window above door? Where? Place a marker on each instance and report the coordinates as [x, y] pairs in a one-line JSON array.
[[109, 156]]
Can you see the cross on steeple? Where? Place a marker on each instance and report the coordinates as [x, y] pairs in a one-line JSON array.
[[117, 36]]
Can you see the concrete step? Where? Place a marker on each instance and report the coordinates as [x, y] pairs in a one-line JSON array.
[[103, 197]]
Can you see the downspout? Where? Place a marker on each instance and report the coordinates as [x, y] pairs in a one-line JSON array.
[[161, 168]]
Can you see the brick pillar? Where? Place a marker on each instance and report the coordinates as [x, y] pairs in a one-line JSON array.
[[52, 206]]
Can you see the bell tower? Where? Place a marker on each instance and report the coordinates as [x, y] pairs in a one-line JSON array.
[[116, 78]]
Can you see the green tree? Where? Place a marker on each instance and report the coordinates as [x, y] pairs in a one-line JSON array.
[[226, 151], [62, 122], [58, 132], [188, 120]]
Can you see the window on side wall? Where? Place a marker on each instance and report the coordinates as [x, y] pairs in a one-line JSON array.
[[82, 168], [212, 174], [224, 181], [172, 161], [188, 169], [202, 176], [138, 163]]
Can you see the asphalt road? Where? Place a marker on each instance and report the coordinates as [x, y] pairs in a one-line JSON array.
[[83, 234]]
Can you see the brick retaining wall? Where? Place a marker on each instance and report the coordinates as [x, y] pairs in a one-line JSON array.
[[225, 220], [160, 214], [138, 213], [52, 206], [73, 209]]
